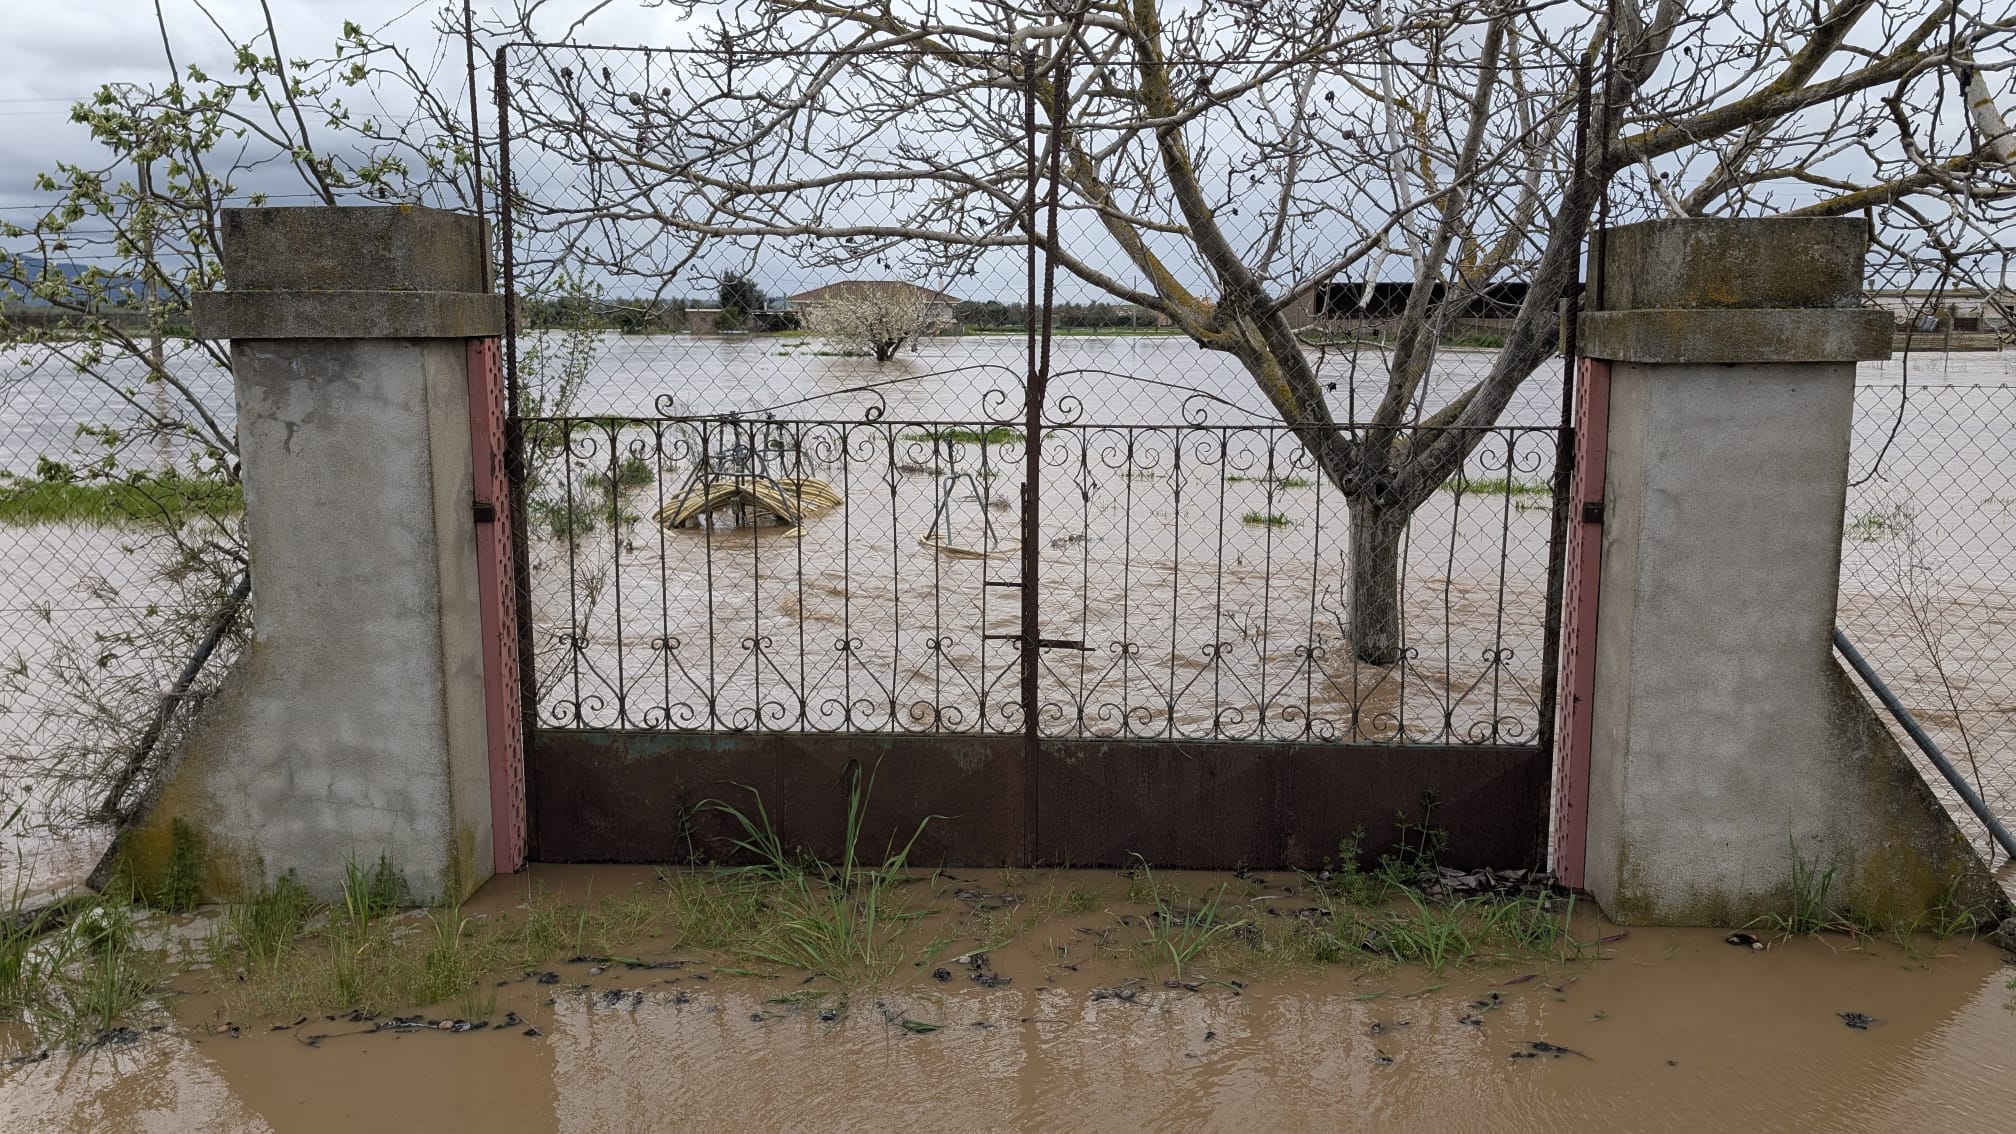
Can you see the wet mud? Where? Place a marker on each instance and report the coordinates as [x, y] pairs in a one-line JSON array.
[[1652, 1030]]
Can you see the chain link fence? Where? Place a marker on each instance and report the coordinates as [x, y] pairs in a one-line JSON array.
[[750, 509], [1928, 558], [113, 551]]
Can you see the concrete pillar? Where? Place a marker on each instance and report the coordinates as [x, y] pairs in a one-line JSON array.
[[1726, 738], [355, 725]]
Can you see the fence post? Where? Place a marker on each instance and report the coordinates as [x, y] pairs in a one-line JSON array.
[[355, 727], [1727, 748]]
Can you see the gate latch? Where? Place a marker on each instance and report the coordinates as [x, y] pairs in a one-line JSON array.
[[486, 512], [1592, 511]]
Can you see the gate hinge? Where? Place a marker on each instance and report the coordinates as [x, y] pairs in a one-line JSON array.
[[1592, 511], [486, 512]]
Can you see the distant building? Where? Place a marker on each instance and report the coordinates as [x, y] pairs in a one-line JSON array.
[[700, 320], [1141, 316], [1355, 305], [1959, 309], [938, 306]]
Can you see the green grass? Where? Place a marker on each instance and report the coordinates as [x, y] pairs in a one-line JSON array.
[[838, 920], [1181, 934], [1278, 482], [960, 435], [73, 973], [1879, 524], [267, 925], [182, 883], [631, 472], [1809, 905], [115, 503], [1497, 486], [1267, 519]]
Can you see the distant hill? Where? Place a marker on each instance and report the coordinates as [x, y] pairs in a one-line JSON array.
[[13, 294]]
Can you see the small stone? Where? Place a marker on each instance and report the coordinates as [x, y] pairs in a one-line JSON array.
[[941, 974], [596, 970], [530, 1032]]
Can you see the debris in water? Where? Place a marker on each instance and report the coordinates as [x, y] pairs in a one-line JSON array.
[[1472, 1021], [1744, 939], [511, 1020], [530, 1032], [1857, 1020], [549, 978], [941, 974], [990, 980]]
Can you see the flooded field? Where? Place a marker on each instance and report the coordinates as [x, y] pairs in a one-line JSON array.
[[1185, 543], [1647, 1030]]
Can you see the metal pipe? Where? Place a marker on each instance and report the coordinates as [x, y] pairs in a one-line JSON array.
[[114, 807], [1972, 798]]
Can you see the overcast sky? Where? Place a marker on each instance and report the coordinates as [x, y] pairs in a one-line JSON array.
[[55, 52]]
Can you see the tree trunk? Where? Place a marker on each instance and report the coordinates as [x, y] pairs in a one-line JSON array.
[[1373, 602]]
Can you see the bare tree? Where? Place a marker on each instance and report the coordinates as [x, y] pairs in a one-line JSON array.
[[873, 318], [1222, 161]]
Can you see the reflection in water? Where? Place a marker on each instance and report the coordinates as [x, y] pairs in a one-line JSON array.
[[1675, 1030]]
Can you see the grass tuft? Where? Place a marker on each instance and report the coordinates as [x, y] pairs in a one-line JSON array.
[[1496, 486], [961, 435], [267, 925], [181, 887], [838, 920], [172, 498]]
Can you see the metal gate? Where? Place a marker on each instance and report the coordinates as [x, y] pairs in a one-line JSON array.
[[1051, 576]]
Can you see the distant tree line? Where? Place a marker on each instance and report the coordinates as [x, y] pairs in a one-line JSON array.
[[994, 313], [636, 316]]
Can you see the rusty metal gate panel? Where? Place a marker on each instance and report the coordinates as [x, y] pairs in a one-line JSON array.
[[1159, 665], [1575, 705], [497, 584]]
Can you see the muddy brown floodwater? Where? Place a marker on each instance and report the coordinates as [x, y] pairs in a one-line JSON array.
[[1667, 1030]]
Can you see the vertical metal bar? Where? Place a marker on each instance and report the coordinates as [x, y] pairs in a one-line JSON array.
[[1032, 398], [475, 121], [1564, 452], [515, 463]]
